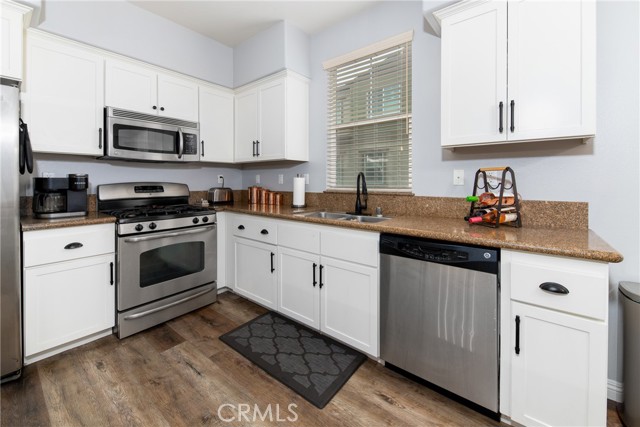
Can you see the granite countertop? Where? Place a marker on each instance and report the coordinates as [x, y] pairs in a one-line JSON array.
[[576, 243], [29, 223]]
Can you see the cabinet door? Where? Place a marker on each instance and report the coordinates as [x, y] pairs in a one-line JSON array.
[[67, 301], [255, 271], [131, 87], [177, 98], [559, 376], [474, 75], [246, 126], [216, 125], [11, 40], [298, 286], [349, 304], [552, 68], [271, 135], [64, 98]]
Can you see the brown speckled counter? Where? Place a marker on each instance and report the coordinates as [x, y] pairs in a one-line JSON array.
[[29, 223], [576, 243]]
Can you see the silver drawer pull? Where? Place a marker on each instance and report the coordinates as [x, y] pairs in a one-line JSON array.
[[554, 288], [74, 245]]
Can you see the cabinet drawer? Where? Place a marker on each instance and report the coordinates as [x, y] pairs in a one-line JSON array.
[[256, 229], [587, 283], [354, 246], [63, 244], [302, 237]]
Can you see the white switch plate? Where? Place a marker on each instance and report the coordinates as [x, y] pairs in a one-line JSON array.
[[220, 179], [458, 177], [280, 178], [306, 178], [257, 178]]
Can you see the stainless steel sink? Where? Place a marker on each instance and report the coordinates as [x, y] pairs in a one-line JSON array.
[[345, 217]]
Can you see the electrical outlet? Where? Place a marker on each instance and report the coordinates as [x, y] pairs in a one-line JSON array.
[[306, 178], [257, 178], [280, 178], [48, 175], [458, 177], [220, 179]]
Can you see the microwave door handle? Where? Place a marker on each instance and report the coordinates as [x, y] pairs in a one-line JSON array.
[[180, 143]]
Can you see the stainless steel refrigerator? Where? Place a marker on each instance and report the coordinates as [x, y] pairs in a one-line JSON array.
[[10, 282]]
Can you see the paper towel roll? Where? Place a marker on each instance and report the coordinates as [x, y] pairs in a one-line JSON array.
[[298, 192]]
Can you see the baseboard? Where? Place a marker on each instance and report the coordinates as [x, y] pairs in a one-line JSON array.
[[614, 391]]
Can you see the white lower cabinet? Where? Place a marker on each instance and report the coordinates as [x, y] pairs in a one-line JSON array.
[[337, 296], [557, 348], [69, 290], [254, 271]]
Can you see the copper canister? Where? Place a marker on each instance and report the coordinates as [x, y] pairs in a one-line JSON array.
[[271, 198], [254, 195], [264, 194], [278, 198]]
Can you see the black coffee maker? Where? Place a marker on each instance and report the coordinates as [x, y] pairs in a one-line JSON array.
[[60, 197]]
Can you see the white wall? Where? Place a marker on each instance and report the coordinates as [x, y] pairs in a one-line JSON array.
[[604, 172]]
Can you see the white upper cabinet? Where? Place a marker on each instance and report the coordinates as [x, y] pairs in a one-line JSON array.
[[63, 96], [131, 86], [216, 124], [12, 18], [272, 119], [519, 70]]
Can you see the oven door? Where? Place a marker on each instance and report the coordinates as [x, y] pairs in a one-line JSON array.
[[155, 266]]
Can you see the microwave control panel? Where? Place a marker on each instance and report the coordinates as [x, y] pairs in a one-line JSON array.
[[190, 143]]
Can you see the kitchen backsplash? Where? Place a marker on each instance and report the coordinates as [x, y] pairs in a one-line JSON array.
[[535, 213]]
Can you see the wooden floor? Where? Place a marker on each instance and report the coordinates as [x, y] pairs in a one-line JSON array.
[[180, 373]]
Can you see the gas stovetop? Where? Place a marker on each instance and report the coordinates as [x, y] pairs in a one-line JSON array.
[[146, 207]]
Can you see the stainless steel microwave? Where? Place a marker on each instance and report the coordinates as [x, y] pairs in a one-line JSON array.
[[137, 136]]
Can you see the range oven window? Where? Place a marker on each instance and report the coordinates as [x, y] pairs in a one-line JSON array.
[[171, 262], [136, 138]]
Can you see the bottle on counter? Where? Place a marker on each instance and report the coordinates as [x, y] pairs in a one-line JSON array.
[[490, 199], [492, 217]]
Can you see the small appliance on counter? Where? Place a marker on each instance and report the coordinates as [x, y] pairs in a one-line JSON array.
[[221, 195], [60, 197]]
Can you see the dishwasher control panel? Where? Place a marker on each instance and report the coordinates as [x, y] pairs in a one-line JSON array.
[[428, 253]]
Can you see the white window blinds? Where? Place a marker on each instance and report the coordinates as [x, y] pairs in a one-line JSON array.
[[369, 122]]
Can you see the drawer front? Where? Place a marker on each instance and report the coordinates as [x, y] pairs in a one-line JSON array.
[[353, 246], [256, 229], [302, 237], [587, 283], [63, 244]]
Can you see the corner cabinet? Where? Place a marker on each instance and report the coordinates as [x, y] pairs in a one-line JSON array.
[[502, 81], [63, 95], [143, 89], [557, 346], [216, 124], [272, 119], [68, 286]]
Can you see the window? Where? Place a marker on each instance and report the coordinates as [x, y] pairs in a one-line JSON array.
[[369, 122]]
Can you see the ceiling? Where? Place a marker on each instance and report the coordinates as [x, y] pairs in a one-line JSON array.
[[233, 21]]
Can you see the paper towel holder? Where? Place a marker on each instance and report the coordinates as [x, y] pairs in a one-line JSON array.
[[293, 204]]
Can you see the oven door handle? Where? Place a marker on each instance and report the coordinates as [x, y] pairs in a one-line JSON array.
[[163, 235], [164, 307]]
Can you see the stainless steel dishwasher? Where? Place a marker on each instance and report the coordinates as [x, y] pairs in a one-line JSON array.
[[439, 315]]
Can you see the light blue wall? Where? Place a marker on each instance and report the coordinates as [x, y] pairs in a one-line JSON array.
[[274, 49], [121, 27]]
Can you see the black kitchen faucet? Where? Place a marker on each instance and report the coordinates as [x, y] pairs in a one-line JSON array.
[[359, 205]]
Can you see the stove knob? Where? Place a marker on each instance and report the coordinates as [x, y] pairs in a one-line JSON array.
[[196, 220], [139, 227], [152, 226], [205, 219]]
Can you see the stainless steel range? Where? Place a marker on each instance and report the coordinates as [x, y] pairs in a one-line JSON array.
[[166, 252]]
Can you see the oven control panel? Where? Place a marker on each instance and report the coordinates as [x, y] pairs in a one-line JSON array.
[[152, 226]]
